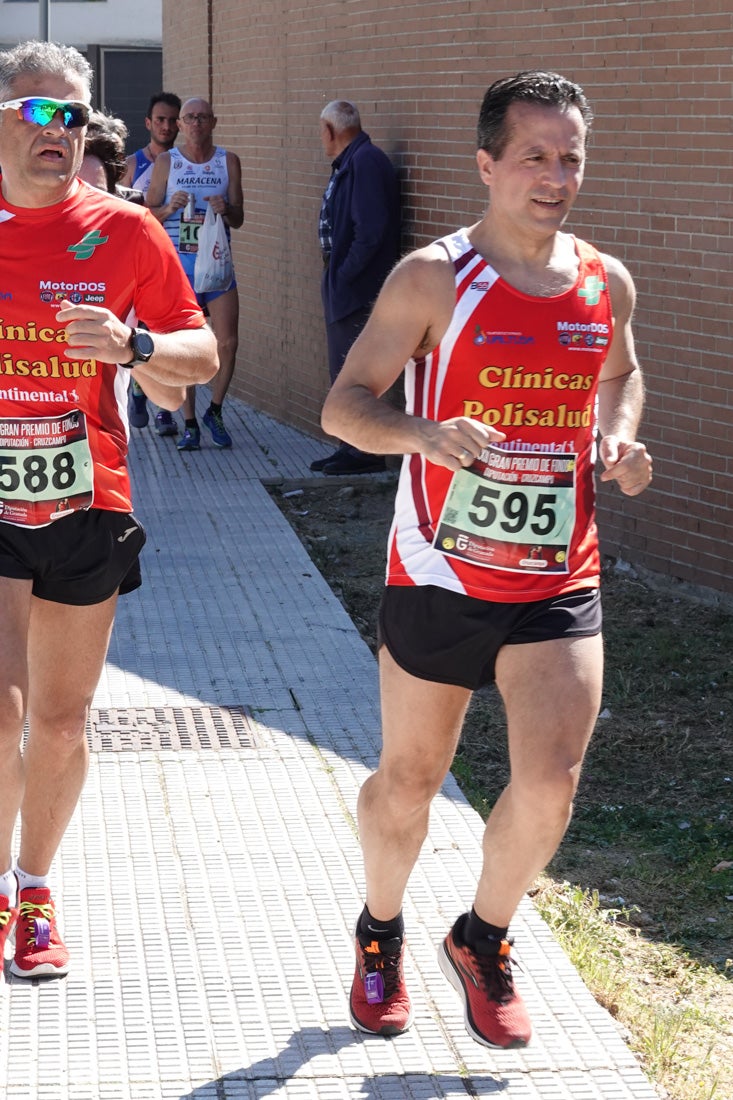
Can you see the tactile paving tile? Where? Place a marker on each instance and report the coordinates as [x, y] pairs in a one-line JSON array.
[[210, 877], [230, 892]]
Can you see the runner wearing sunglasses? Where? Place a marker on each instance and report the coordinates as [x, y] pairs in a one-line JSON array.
[[42, 111], [74, 262]]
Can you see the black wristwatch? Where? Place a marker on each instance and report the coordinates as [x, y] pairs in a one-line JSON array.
[[142, 346]]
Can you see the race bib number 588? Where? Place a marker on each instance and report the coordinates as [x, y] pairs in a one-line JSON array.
[[46, 468], [511, 510]]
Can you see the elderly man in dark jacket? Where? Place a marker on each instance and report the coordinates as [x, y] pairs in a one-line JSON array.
[[359, 231]]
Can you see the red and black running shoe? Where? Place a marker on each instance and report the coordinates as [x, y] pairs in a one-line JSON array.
[[379, 1002], [495, 1014], [8, 917], [39, 949]]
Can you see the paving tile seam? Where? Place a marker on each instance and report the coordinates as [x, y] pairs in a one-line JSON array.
[[302, 1074]]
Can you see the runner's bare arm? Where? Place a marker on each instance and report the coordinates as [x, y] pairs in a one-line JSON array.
[[167, 397], [155, 198], [126, 179], [185, 357], [231, 205], [409, 318], [621, 393]]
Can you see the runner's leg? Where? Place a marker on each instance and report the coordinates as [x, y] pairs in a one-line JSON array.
[[15, 603], [224, 314], [552, 693], [63, 678], [189, 403], [421, 725]]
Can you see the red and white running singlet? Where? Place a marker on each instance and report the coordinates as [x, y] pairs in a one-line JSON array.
[[520, 524], [63, 421]]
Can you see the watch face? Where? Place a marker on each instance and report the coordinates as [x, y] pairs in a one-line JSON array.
[[142, 344]]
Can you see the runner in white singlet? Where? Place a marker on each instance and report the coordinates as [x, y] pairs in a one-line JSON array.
[[184, 181]]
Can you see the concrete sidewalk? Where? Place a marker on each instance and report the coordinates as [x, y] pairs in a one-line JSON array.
[[210, 879]]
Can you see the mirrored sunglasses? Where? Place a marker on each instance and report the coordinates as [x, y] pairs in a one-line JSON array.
[[42, 111]]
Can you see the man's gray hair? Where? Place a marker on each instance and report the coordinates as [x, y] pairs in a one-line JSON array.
[[41, 59], [342, 115]]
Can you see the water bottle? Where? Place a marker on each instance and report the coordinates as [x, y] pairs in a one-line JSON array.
[[190, 210]]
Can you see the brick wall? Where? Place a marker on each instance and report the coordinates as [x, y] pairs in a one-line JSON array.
[[656, 194]]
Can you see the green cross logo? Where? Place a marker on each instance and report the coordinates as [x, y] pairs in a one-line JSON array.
[[592, 290], [84, 249]]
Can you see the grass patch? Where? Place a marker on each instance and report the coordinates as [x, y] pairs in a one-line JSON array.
[[676, 1012], [640, 893]]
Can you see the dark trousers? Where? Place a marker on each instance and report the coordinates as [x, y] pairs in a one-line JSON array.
[[340, 335]]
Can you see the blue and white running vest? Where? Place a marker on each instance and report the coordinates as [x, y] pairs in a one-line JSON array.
[[142, 172], [199, 180]]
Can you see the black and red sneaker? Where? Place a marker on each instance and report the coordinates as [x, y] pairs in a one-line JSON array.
[[379, 1003], [495, 1014]]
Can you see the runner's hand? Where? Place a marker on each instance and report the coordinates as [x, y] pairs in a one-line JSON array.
[[456, 443], [177, 201], [218, 203], [629, 464], [95, 333]]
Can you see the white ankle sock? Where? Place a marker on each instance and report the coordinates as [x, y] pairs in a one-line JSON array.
[[9, 887], [26, 881]]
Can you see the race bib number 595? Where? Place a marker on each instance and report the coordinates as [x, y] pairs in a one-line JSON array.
[[511, 510], [46, 468]]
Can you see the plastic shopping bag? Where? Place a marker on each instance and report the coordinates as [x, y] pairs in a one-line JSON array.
[[213, 269]]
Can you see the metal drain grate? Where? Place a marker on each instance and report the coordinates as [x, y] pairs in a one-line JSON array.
[[138, 728]]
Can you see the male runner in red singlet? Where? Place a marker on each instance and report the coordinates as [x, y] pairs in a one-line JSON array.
[[74, 263], [519, 352]]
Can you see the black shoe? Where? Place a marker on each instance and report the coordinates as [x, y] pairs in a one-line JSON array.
[[350, 463], [318, 463]]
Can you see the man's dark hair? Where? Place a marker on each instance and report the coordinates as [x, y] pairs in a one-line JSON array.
[[105, 139], [104, 147], [534, 86], [169, 98]]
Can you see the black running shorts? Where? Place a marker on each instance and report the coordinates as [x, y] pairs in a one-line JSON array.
[[81, 559], [451, 638]]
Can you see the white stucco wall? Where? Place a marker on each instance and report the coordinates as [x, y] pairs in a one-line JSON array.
[[104, 22]]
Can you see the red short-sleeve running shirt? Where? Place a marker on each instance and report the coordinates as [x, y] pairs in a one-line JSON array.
[[63, 421]]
